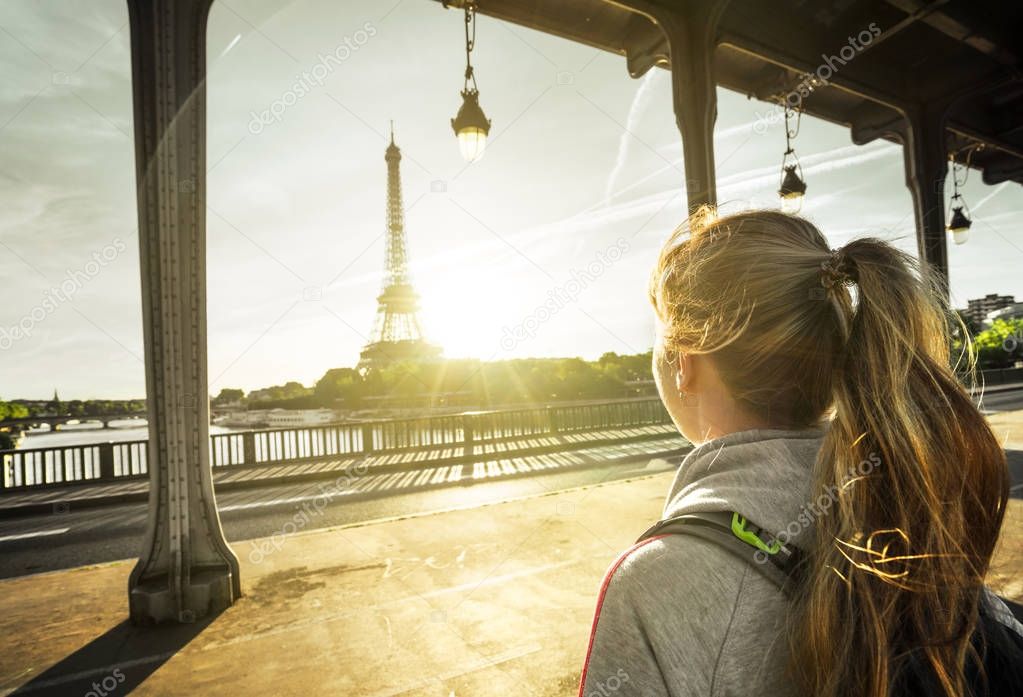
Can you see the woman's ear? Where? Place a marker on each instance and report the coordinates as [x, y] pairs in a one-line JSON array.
[[684, 373]]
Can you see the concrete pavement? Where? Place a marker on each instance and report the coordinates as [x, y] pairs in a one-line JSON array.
[[491, 600], [1007, 568]]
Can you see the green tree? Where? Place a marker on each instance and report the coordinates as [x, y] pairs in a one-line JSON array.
[[12, 410], [339, 384], [289, 390], [229, 395], [469, 381], [1001, 345]]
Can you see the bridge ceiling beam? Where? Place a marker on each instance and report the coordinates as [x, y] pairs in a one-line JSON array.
[[645, 46], [1007, 117], [964, 23], [871, 121], [925, 53], [962, 81], [186, 569], [1001, 168]]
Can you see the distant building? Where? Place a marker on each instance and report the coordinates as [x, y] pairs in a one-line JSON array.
[[979, 308]]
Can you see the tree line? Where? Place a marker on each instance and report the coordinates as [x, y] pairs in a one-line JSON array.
[[534, 380], [25, 408], [459, 382], [472, 382]]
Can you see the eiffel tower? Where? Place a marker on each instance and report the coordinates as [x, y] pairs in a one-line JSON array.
[[397, 335]]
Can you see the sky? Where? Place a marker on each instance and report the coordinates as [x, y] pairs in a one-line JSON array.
[[581, 182]]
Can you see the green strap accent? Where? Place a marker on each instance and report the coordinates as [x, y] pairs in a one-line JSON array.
[[747, 536]]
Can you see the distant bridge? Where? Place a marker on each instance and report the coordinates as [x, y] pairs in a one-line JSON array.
[[56, 422]]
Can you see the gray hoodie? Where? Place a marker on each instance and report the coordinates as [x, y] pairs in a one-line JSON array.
[[678, 615]]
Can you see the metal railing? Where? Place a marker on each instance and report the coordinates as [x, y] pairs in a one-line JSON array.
[[98, 462]]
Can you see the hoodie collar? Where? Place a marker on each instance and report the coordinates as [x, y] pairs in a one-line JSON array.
[[764, 474]]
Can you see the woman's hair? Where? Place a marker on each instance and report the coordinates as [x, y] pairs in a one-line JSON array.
[[917, 480]]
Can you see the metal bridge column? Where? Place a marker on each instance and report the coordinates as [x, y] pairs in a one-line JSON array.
[[692, 39], [926, 164], [186, 569]]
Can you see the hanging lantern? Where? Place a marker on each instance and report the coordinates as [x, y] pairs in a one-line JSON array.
[[792, 187], [959, 226], [471, 125], [959, 220]]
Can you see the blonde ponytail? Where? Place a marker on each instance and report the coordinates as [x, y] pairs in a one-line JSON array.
[[897, 566]]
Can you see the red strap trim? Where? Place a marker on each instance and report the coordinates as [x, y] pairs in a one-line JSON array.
[[600, 602]]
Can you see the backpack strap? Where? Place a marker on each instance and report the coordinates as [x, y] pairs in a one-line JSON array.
[[775, 560]]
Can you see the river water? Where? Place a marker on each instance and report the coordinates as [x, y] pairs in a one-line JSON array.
[[92, 433]]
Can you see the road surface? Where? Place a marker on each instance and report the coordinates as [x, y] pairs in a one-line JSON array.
[[68, 538]]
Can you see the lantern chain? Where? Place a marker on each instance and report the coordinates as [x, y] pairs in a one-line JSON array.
[[470, 43]]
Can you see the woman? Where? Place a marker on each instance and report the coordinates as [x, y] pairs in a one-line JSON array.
[[838, 426]]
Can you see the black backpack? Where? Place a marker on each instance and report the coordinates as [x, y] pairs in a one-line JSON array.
[[1000, 647]]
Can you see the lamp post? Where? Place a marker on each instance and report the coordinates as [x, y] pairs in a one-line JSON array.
[[471, 125]]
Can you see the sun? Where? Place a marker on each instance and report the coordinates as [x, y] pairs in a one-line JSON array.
[[464, 309]]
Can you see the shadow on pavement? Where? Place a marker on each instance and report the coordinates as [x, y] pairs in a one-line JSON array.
[[116, 662]]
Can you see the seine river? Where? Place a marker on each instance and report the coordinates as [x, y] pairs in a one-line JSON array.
[[90, 433]]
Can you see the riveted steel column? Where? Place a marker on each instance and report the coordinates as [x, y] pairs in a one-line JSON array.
[[186, 569]]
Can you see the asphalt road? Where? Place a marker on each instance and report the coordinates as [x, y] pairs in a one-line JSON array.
[[1005, 400], [88, 536]]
